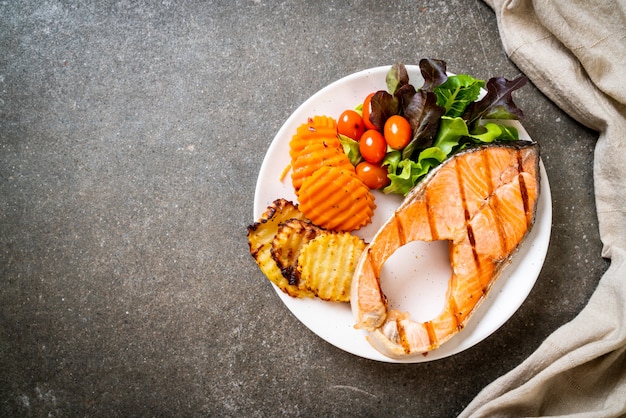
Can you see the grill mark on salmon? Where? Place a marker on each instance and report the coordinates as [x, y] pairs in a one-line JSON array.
[[454, 309], [470, 188], [402, 335], [432, 336], [499, 226], [401, 234], [524, 192], [472, 241], [432, 223], [483, 201]]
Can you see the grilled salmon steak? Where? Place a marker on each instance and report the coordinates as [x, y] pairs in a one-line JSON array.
[[483, 202]]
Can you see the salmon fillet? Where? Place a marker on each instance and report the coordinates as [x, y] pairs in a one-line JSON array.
[[483, 202]]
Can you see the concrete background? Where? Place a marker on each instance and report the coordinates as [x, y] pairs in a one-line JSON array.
[[131, 135]]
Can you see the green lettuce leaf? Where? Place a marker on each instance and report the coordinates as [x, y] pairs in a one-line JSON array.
[[454, 132], [351, 149], [491, 131], [457, 93], [405, 173]]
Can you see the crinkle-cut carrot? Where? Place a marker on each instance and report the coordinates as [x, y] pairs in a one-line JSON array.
[[336, 199], [315, 127], [319, 152]]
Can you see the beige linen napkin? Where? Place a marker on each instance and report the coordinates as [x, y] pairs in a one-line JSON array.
[[574, 52]]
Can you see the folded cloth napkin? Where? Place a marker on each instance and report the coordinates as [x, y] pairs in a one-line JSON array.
[[574, 51]]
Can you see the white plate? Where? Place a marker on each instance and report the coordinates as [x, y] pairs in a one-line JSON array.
[[334, 321]]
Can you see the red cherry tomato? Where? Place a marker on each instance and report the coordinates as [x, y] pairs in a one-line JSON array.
[[367, 109], [350, 124], [397, 132], [373, 175], [373, 146]]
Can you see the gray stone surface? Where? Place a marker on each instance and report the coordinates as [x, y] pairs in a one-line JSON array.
[[131, 135]]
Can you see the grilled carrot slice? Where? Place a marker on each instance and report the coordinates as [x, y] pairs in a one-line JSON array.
[[336, 199], [315, 127], [315, 144], [319, 152]]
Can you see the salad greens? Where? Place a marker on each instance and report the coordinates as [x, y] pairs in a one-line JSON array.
[[445, 114]]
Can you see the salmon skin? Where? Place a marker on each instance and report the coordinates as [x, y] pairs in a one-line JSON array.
[[483, 202]]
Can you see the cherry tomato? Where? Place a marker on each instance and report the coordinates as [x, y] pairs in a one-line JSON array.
[[397, 132], [373, 175], [367, 109], [350, 124], [373, 146]]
